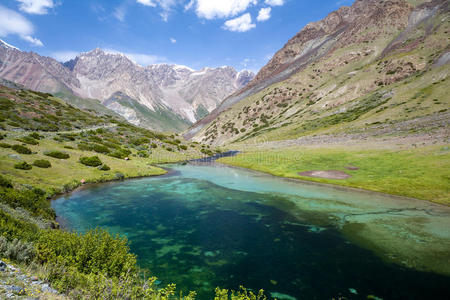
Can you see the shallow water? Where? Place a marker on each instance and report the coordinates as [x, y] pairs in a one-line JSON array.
[[203, 226]]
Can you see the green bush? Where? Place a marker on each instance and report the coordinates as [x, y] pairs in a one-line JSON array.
[[21, 149], [96, 252], [17, 250], [154, 145], [140, 141], [119, 176], [120, 153], [85, 146], [23, 166], [5, 182], [142, 153], [101, 149], [5, 145], [104, 167], [92, 161], [5, 103], [35, 136], [28, 140], [12, 228], [183, 147], [32, 200], [13, 124], [42, 163], [57, 154]]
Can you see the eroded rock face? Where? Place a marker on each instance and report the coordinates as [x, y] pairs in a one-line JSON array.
[[34, 71], [339, 28], [343, 45]]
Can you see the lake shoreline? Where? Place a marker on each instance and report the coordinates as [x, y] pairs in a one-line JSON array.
[[412, 173], [370, 234]]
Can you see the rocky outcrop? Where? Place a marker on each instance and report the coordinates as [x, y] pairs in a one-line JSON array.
[[14, 284]]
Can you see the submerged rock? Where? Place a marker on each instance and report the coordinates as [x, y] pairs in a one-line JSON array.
[[280, 296]]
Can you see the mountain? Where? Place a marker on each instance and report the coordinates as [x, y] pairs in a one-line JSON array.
[[160, 97], [366, 68]]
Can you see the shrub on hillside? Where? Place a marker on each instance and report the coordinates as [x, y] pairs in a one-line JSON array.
[[5, 145], [120, 153], [35, 136], [140, 141], [92, 161], [5, 103], [206, 152], [101, 149], [5, 182], [28, 140], [104, 167], [17, 250], [85, 146], [42, 163], [32, 200], [57, 154], [119, 176], [23, 166], [96, 251], [14, 228], [21, 149], [142, 153]]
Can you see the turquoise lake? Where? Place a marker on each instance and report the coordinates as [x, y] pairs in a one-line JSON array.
[[208, 225]]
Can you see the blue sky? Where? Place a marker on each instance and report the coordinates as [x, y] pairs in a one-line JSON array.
[[195, 33]]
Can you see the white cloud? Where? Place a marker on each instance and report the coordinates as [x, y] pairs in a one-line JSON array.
[[165, 5], [264, 14], [173, 41], [211, 9], [274, 2], [64, 56], [140, 58], [37, 7], [189, 5], [120, 12], [240, 24], [32, 40], [13, 23], [146, 2]]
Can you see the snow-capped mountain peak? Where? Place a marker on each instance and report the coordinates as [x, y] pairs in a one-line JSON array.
[[8, 46]]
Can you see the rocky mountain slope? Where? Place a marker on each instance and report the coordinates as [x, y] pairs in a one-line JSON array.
[[161, 97], [372, 64]]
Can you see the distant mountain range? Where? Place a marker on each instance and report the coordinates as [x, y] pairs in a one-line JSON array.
[[376, 66], [161, 97]]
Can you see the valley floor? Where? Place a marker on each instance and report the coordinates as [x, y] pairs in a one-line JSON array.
[[410, 166]]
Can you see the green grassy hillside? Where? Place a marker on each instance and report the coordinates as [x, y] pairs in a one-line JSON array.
[[49, 147], [42, 123]]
